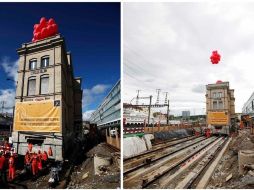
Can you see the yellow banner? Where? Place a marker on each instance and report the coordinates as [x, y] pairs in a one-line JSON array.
[[217, 118], [41, 116]]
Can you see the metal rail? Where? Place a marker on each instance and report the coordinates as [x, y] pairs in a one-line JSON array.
[[161, 157]]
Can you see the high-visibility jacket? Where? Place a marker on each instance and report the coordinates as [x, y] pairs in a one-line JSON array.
[[2, 162], [44, 156]]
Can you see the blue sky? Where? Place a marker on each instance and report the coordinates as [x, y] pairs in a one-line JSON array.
[[92, 34]]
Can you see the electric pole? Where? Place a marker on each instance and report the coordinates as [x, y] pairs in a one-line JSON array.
[[149, 109], [137, 96], [166, 97], [158, 95]]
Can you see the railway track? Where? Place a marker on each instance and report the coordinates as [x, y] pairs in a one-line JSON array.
[[190, 162], [152, 156]]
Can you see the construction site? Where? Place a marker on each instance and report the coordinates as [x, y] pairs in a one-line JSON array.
[[214, 151]]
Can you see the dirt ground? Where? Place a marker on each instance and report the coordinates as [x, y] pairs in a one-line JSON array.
[[83, 176], [229, 165]]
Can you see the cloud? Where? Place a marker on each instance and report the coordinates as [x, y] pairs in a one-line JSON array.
[[199, 88], [167, 46], [99, 88], [94, 94], [8, 97], [87, 115], [10, 68]]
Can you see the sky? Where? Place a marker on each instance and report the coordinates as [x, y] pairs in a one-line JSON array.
[[168, 46], [92, 34]]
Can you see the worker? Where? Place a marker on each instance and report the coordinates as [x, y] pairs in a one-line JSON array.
[[34, 164], [11, 168], [39, 160], [2, 168], [27, 162], [44, 158], [50, 153]]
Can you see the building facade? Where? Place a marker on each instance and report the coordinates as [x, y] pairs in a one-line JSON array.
[[45, 77], [108, 115], [220, 106], [248, 107]]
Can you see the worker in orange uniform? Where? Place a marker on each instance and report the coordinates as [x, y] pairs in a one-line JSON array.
[[44, 158], [34, 164], [39, 160], [208, 133], [11, 168], [50, 153], [27, 162], [2, 168]]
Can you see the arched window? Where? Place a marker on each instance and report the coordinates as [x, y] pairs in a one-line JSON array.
[[31, 86], [44, 87], [33, 64], [45, 62]]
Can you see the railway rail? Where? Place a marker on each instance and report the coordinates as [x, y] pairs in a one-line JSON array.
[[189, 162], [153, 156]]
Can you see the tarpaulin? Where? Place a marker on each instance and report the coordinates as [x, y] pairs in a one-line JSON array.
[[39, 116], [217, 118]]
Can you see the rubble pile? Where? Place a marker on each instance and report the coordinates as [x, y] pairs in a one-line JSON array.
[[84, 177], [226, 174]]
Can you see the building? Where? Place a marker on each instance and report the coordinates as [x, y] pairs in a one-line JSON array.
[[248, 107], [48, 109], [185, 114], [220, 106], [108, 115]]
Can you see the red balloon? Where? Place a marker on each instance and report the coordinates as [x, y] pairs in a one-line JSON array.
[[44, 29], [36, 26], [51, 21], [43, 20], [54, 28], [215, 57], [43, 33]]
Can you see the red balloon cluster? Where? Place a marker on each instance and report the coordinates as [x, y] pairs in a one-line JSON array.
[[218, 81], [44, 29], [215, 57]]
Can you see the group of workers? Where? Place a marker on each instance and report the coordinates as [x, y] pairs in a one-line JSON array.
[[7, 161], [33, 162]]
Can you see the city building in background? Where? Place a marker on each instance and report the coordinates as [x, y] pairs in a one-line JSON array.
[[48, 109], [108, 115], [185, 115], [220, 107], [248, 107]]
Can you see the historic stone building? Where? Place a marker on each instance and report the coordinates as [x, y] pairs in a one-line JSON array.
[[48, 111], [220, 105]]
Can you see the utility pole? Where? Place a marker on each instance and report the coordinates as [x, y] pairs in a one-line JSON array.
[[158, 95], [149, 109], [166, 98], [2, 102], [168, 113], [137, 96]]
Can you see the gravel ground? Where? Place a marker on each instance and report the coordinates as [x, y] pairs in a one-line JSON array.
[[229, 165]]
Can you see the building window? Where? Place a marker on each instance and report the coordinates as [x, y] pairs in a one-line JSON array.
[[217, 95], [220, 105], [44, 84], [44, 62], [214, 105], [32, 64], [31, 86]]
